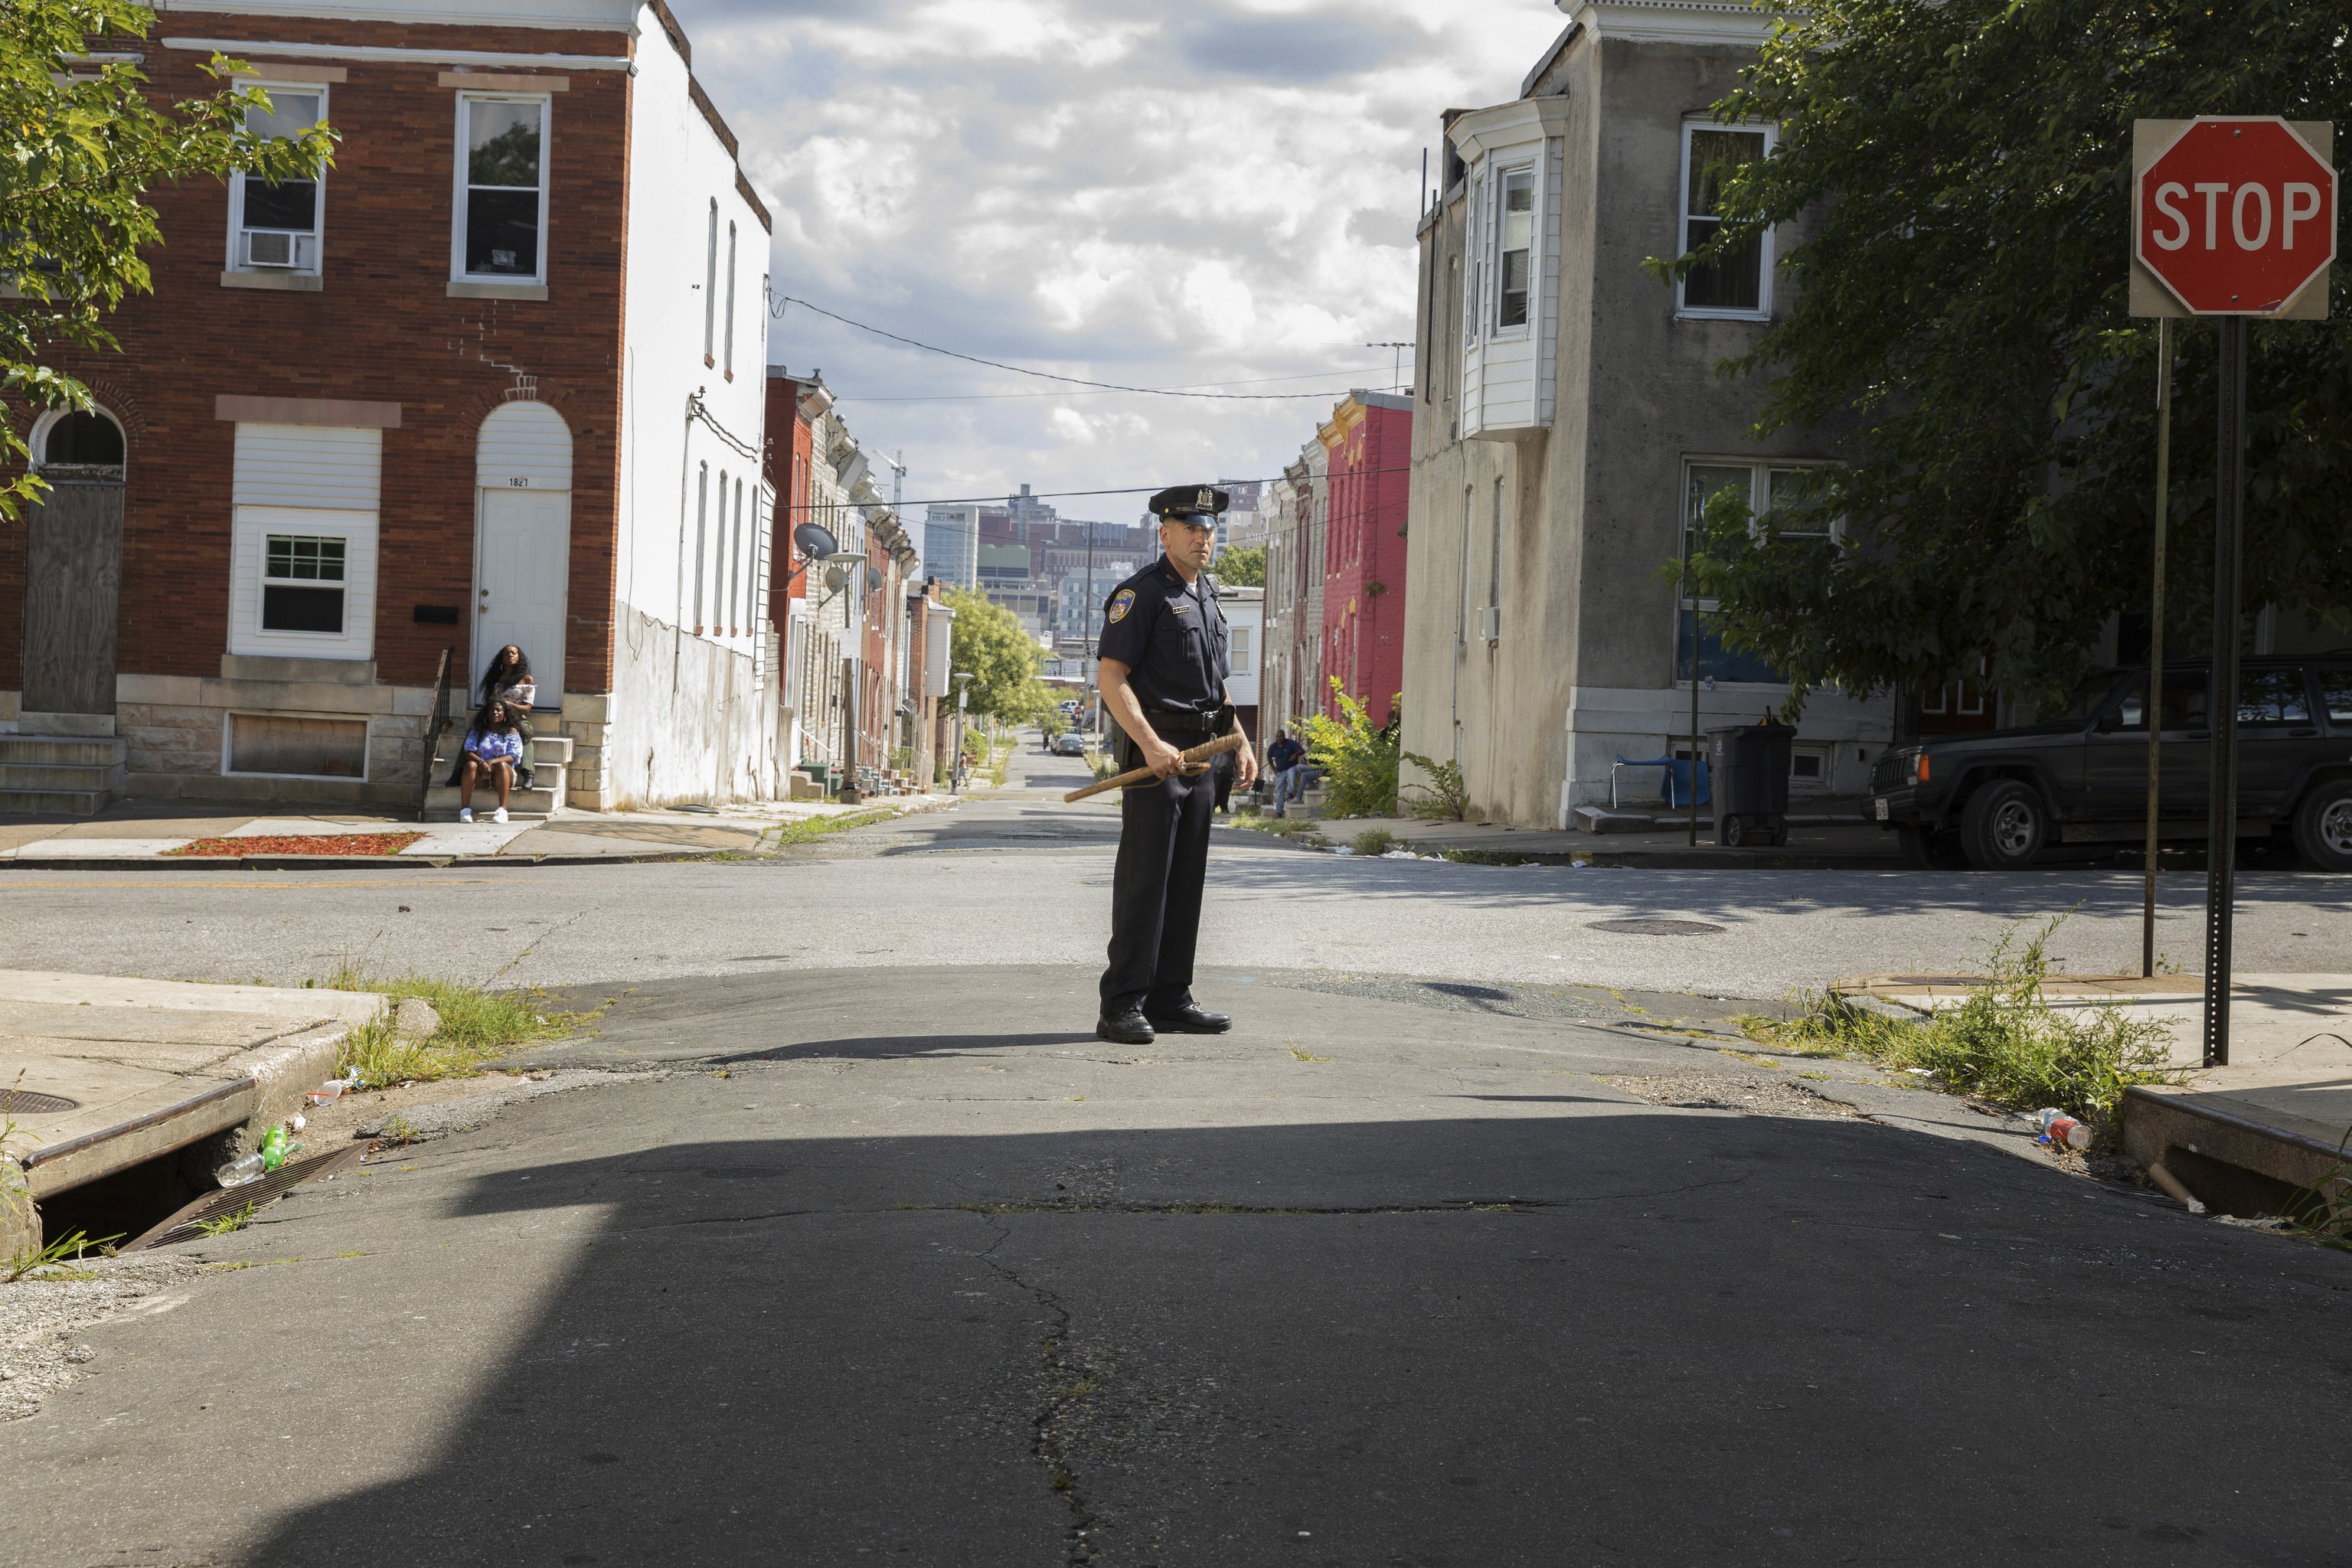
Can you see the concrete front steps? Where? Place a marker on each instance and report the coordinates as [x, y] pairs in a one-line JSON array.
[[62, 764], [550, 760]]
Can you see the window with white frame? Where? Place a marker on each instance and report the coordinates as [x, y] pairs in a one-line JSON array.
[[275, 227], [711, 287], [1241, 650], [730, 334], [1515, 235], [701, 537], [501, 206], [1757, 484], [1738, 286], [302, 578]]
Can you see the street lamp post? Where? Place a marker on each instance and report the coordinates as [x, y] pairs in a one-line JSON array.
[[963, 700]]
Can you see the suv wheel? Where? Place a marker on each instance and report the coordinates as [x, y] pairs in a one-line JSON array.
[[2323, 825], [2005, 826]]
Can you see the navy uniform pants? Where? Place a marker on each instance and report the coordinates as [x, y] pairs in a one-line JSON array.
[[1155, 898]]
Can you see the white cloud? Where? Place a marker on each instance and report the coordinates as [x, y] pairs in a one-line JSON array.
[[1135, 191]]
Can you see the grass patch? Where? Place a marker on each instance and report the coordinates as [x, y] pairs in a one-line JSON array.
[[1297, 829], [1306, 1055], [1375, 841], [810, 828], [1487, 857], [477, 1026], [2004, 1043], [224, 1225]]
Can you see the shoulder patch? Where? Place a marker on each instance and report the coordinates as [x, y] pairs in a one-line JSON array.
[[1120, 603]]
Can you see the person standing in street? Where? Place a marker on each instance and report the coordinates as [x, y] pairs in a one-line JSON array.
[[1163, 662]]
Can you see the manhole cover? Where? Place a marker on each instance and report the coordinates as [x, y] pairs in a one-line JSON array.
[[1657, 928], [24, 1102]]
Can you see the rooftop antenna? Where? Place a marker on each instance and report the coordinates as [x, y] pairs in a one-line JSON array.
[[1396, 369], [897, 463]]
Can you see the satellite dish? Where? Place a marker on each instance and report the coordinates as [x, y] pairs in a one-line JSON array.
[[835, 579], [873, 578], [814, 542]]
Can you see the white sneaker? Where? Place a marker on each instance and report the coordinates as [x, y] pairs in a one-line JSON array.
[[465, 814], [499, 815]]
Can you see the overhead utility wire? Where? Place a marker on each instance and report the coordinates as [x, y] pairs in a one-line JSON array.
[[1071, 495], [1008, 397], [1049, 375]]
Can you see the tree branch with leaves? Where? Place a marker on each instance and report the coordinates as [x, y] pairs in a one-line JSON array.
[[85, 142]]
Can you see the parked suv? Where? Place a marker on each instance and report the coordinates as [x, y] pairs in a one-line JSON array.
[[1997, 800]]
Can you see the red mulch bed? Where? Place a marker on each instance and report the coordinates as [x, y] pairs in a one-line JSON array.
[[303, 844]]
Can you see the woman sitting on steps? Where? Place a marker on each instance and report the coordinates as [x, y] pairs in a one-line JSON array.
[[493, 749]]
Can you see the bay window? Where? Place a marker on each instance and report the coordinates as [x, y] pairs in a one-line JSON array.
[[1515, 246]]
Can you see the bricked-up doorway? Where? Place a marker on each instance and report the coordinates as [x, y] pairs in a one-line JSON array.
[[523, 549], [73, 567]]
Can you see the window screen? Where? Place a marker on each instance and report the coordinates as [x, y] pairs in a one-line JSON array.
[[505, 147]]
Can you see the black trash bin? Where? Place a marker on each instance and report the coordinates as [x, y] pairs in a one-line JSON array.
[[1748, 782]]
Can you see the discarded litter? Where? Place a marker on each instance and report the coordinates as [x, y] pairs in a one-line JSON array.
[[243, 1169], [326, 1093], [2057, 1127], [275, 1150], [296, 1122]]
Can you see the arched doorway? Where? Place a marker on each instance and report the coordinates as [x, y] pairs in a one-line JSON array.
[[522, 541], [73, 563]]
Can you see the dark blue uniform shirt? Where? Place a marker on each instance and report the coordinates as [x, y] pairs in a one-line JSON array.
[[1171, 638]]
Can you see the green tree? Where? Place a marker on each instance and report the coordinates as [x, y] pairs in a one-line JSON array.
[[1958, 179], [1003, 659], [1358, 758], [1239, 566], [82, 143]]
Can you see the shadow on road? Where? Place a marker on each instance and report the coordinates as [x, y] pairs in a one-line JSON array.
[[1536, 1338]]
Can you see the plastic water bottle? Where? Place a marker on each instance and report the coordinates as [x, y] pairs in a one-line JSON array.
[[2057, 1127], [243, 1169]]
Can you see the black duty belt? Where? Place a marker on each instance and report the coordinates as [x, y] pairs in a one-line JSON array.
[[1170, 722]]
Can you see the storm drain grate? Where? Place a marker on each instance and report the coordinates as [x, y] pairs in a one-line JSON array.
[[183, 1225], [24, 1102], [1656, 927]]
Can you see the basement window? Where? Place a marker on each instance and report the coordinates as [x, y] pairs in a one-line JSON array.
[[287, 746]]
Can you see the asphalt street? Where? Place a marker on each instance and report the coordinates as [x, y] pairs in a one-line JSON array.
[[897, 1262], [1022, 879]]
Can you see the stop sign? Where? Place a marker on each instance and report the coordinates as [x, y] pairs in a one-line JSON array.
[[2237, 216]]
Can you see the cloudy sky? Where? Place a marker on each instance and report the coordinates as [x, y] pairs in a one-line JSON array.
[[1157, 193]]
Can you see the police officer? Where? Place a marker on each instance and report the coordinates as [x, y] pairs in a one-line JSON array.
[[1163, 661]]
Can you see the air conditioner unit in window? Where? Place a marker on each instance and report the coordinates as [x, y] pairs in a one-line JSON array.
[[1490, 622], [272, 248]]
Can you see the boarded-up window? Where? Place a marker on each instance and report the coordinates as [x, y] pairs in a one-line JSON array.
[[306, 747]]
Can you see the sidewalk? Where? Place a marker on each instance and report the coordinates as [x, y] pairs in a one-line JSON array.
[[1815, 843], [146, 834], [100, 1073], [2277, 1113]]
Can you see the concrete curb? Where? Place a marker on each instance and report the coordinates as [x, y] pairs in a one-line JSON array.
[[344, 862]]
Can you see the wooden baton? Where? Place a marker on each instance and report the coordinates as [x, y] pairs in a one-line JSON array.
[[1200, 753]]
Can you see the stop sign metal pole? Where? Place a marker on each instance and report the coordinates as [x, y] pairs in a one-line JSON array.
[[2229, 555], [2152, 702], [2267, 271]]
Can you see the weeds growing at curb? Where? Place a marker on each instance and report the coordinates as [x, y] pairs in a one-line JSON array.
[[475, 1026], [1375, 841], [1297, 829], [223, 1224], [1444, 797], [33, 1258], [2004, 1043], [810, 828]]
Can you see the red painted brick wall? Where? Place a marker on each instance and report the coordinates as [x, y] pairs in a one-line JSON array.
[[1364, 548], [383, 328]]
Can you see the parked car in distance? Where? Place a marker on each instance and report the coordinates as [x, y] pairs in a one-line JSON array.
[[1997, 799], [1069, 744]]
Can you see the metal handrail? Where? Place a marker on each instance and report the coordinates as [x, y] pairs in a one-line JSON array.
[[433, 729]]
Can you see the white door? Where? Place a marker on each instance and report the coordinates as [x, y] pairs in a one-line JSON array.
[[522, 557]]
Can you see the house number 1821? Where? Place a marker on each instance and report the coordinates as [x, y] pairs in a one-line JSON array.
[[518, 484]]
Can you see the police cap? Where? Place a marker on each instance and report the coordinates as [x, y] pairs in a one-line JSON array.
[[1200, 505]]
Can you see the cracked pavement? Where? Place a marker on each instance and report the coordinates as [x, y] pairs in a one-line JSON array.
[[895, 1261]]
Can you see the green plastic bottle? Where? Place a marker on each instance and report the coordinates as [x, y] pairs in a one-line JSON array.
[[273, 1148]]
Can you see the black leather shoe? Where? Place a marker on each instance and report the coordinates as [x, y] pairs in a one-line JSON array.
[[1128, 1029], [1191, 1019]]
